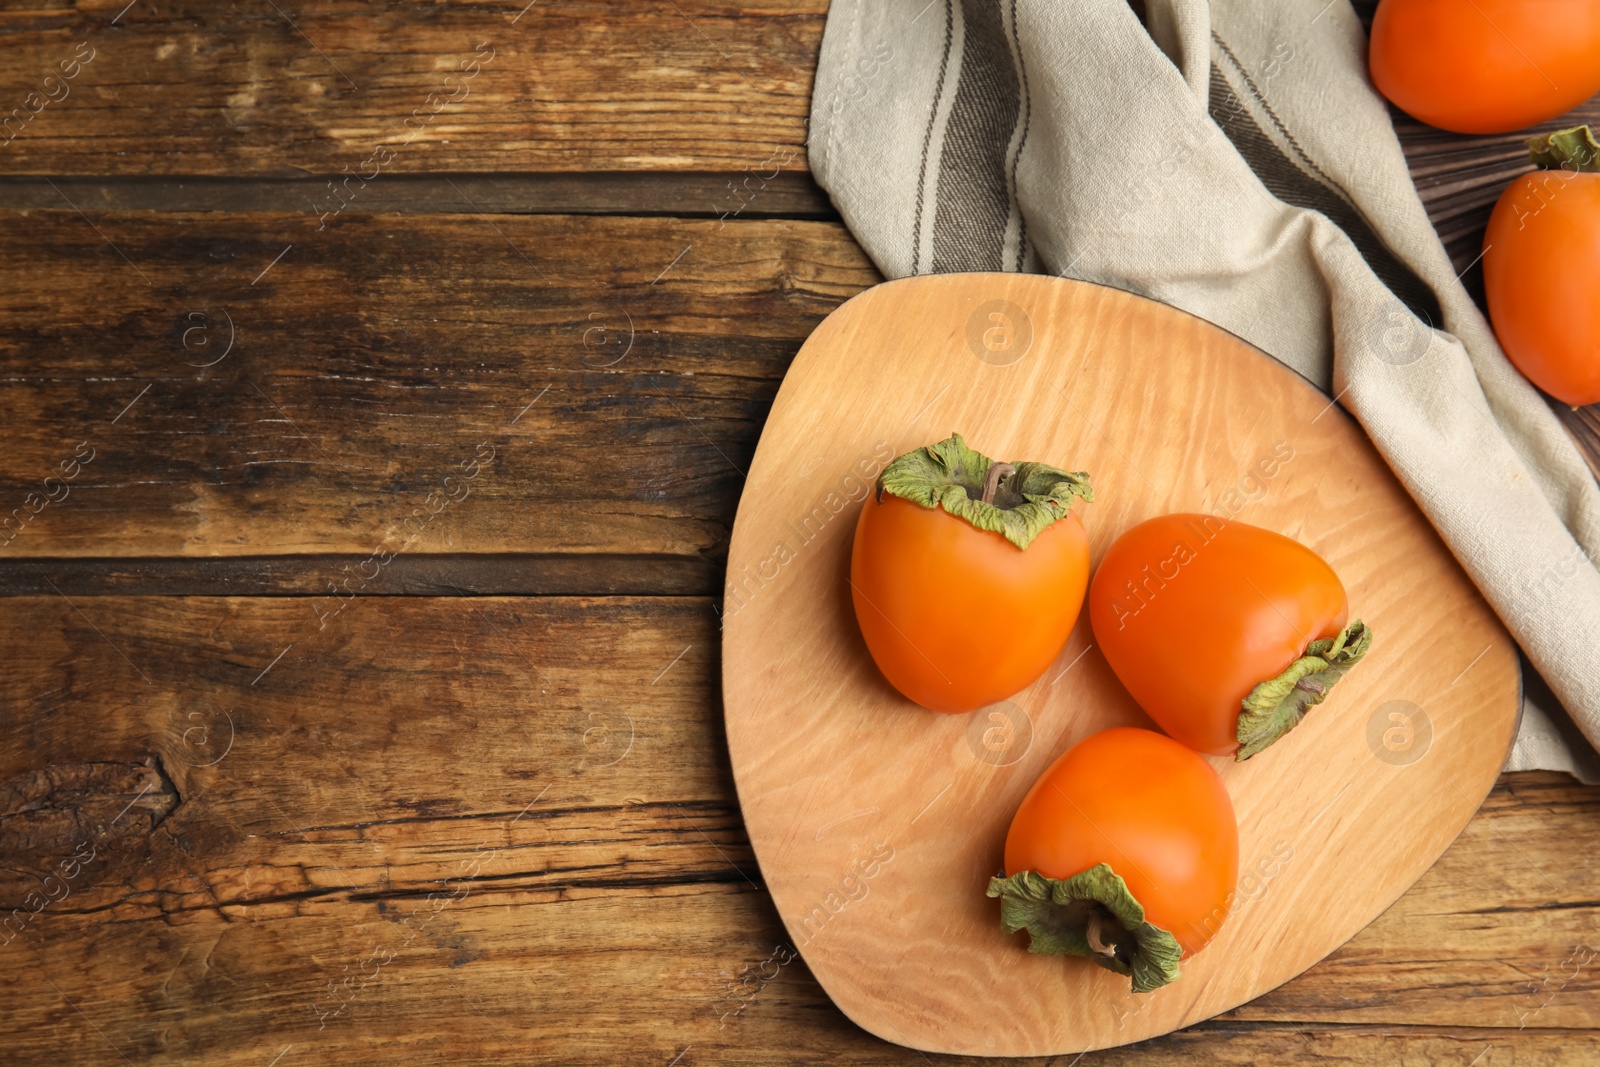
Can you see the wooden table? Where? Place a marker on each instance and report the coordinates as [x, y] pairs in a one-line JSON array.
[[360, 694]]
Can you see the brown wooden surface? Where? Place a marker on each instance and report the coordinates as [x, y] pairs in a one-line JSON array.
[[661, 339], [840, 777], [283, 88], [367, 765], [622, 916]]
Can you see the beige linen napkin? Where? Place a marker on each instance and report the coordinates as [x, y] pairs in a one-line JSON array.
[[1232, 159]]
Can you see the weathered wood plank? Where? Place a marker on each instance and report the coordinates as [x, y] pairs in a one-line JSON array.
[[576, 876], [695, 975], [186, 87], [605, 379], [290, 747]]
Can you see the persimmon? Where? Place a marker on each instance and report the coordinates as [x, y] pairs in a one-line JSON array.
[[1488, 66], [967, 575], [1125, 852], [1225, 633], [1541, 267]]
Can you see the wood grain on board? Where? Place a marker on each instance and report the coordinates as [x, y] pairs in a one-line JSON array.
[[878, 824], [614, 371], [211, 921], [334, 87]]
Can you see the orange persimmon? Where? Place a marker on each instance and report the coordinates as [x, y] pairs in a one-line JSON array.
[[1541, 267], [1486, 66], [1125, 852], [1225, 633], [967, 575]]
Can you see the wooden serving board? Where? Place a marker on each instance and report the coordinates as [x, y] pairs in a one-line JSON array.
[[877, 824]]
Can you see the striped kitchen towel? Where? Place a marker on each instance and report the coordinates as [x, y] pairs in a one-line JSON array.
[[1232, 159]]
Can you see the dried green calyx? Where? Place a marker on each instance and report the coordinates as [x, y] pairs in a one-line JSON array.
[[1017, 501], [1277, 705], [1572, 149], [1093, 915]]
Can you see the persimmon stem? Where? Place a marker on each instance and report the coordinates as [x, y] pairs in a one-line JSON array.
[[949, 475], [1094, 932], [991, 481], [1091, 915], [1277, 705], [1573, 149]]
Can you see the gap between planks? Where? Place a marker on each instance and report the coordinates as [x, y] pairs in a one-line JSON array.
[[789, 195], [418, 575]]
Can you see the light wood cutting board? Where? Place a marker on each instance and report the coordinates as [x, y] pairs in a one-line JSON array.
[[877, 824]]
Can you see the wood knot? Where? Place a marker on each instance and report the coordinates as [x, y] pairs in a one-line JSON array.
[[53, 813]]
